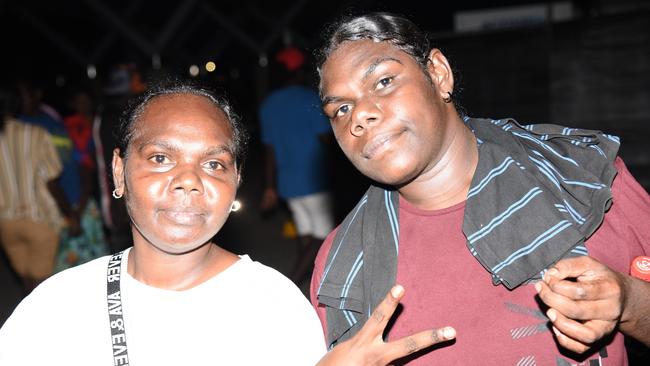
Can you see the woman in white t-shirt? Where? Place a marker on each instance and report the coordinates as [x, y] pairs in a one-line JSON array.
[[177, 297]]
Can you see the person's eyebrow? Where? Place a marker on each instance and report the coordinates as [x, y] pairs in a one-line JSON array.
[[166, 145], [159, 143], [329, 99], [371, 68], [218, 150]]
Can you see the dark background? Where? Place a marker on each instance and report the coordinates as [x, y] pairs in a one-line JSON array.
[[590, 71]]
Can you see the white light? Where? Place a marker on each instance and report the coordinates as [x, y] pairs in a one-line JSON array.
[[194, 70], [210, 66], [91, 71], [263, 60]]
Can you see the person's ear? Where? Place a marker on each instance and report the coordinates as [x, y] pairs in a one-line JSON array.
[[118, 173], [440, 72]]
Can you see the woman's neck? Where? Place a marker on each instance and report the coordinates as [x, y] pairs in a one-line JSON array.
[[156, 268], [448, 181]]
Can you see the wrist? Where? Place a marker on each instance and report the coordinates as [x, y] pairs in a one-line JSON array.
[[635, 303]]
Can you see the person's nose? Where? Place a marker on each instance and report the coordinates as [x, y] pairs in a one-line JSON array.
[[188, 180], [365, 114]]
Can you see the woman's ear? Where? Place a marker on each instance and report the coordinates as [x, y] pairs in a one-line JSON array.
[[118, 172], [440, 72]]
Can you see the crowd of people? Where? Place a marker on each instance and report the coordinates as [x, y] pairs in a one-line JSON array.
[[513, 242]]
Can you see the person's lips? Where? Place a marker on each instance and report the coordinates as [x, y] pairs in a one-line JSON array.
[[379, 144], [184, 215]]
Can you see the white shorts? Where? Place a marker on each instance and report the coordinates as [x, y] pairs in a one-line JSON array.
[[313, 214]]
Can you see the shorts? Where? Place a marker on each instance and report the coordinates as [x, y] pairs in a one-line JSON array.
[[30, 246], [313, 214]]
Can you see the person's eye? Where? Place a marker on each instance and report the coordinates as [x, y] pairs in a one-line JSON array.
[[159, 159], [342, 110], [214, 165], [384, 82]]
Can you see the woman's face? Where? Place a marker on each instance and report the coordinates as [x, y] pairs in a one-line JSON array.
[[387, 114], [179, 178]]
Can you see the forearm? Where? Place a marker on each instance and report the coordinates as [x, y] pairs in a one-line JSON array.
[[635, 320], [59, 197]]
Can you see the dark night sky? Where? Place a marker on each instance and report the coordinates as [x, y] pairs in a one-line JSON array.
[[32, 32]]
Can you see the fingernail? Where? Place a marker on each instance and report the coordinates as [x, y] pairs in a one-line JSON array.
[[396, 291], [551, 315], [449, 332], [538, 287], [557, 332], [552, 272]]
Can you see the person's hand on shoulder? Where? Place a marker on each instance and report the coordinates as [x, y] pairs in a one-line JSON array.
[[368, 348]]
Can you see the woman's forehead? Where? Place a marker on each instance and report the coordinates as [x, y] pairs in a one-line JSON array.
[[186, 111], [355, 59]]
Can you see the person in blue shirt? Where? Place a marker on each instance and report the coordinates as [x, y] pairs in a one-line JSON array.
[[295, 134]]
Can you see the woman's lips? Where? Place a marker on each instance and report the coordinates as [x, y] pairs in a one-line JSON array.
[[379, 144], [184, 216]]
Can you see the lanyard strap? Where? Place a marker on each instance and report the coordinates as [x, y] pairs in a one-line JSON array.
[[115, 319]]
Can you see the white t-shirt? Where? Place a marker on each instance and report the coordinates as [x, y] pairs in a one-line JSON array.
[[250, 314]]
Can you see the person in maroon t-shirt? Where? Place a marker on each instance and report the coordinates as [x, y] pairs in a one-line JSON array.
[[389, 97]]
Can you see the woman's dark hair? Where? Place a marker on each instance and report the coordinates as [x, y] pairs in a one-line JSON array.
[[138, 105], [399, 31], [380, 27]]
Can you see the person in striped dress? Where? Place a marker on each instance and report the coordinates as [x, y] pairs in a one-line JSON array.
[[29, 217]]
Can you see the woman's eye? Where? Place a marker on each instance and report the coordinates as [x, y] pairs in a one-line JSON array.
[[214, 165], [384, 82], [159, 159], [342, 110]]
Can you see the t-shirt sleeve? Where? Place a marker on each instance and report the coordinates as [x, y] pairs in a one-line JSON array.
[[51, 166], [29, 326], [633, 205], [624, 233], [317, 275]]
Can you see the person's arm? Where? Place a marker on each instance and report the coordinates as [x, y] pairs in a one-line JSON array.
[[72, 215], [270, 195], [588, 300], [368, 348]]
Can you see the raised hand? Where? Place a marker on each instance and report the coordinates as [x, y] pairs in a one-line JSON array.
[[368, 348], [586, 299]]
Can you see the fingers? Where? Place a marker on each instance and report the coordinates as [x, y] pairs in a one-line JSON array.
[[569, 343], [376, 324], [576, 336], [413, 343], [571, 267], [604, 309]]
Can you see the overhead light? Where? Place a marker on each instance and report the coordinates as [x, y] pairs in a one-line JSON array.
[[194, 70], [91, 71], [210, 66]]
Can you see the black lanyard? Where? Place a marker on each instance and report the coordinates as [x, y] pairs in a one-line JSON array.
[[115, 319]]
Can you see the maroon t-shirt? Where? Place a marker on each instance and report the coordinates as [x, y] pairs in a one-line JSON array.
[[446, 285]]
